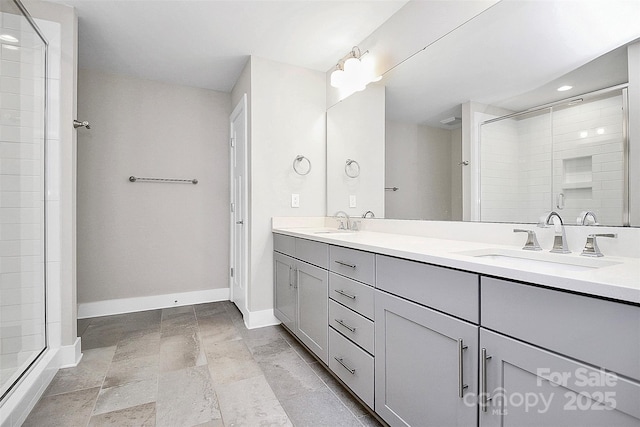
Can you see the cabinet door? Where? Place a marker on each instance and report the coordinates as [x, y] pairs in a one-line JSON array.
[[529, 386], [424, 359], [313, 312], [284, 292]]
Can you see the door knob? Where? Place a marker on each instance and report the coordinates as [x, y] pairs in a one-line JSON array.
[[241, 222]]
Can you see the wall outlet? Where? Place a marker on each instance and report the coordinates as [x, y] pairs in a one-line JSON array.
[[295, 200], [352, 201]]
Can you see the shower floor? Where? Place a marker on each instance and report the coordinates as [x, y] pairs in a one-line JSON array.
[[193, 366]]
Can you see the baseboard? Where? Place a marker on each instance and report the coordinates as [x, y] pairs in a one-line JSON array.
[[70, 355], [129, 305], [259, 319]]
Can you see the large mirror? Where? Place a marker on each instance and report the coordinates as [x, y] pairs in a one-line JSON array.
[[447, 153]]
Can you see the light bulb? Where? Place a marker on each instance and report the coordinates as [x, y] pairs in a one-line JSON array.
[[352, 65], [337, 78]]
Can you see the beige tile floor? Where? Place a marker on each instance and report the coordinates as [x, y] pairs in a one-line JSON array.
[[193, 366]]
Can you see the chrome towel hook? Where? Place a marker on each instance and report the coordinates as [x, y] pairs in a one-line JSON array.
[[78, 124]]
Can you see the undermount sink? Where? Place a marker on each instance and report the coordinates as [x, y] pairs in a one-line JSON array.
[[334, 232], [538, 260]]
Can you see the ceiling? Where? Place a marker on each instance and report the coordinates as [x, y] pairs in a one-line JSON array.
[[206, 43]]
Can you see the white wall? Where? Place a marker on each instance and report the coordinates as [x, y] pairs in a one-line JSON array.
[[633, 52], [287, 106], [145, 239], [456, 174], [418, 161], [355, 130]]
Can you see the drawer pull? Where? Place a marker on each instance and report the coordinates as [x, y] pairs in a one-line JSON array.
[[339, 360], [345, 264], [341, 323], [461, 384], [341, 292]]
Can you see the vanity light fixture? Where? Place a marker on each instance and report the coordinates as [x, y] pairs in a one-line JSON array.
[[564, 88], [354, 71], [8, 38]]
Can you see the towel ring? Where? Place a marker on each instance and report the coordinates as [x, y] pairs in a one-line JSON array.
[[296, 164], [349, 166]]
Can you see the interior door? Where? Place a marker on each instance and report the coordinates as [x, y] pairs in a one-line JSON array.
[[239, 230]]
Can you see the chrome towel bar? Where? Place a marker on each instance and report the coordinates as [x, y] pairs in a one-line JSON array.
[[140, 179]]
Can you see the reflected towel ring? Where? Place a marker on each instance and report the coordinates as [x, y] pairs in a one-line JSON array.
[[296, 164], [355, 170]]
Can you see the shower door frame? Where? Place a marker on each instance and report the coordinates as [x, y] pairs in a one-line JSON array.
[[45, 111]]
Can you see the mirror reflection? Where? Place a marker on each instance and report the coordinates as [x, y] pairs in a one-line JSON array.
[[448, 157]]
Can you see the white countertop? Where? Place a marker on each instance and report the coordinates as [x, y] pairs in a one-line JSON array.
[[620, 280]]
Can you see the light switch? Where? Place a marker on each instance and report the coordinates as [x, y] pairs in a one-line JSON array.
[[295, 200], [352, 201]]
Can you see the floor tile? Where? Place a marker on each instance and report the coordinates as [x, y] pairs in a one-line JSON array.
[[209, 309], [132, 370], [186, 398], [289, 375], [230, 361], [101, 335], [338, 389], [251, 402], [89, 373], [68, 409], [369, 421], [137, 416], [126, 396], [83, 324], [181, 351], [218, 328], [138, 344], [318, 408]]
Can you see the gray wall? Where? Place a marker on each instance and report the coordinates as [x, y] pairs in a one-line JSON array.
[[144, 239]]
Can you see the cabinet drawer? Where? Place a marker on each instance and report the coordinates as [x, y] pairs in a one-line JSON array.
[[354, 295], [284, 244], [357, 328], [315, 253], [454, 292], [352, 263], [352, 365], [599, 332]]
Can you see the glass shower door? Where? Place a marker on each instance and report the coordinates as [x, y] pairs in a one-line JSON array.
[[22, 195]]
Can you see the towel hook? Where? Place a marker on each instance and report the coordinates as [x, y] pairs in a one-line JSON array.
[[298, 161]]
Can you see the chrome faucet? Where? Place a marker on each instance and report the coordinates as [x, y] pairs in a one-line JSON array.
[[583, 218], [343, 225], [532, 242], [560, 239]]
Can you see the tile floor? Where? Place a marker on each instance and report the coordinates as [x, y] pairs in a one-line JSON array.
[[193, 366]]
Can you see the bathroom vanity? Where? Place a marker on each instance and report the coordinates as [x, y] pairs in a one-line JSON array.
[[432, 332]]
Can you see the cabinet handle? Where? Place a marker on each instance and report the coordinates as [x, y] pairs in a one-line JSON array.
[[484, 396], [461, 384], [341, 292], [345, 264], [351, 371], [290, 278], [341, 323]]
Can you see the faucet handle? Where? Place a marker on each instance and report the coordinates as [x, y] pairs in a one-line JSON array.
[[532, 241], [591, 246]]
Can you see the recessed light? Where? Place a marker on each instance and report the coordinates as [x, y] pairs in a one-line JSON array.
[[563, 88], [10, 47], [584, 134], [8, 38], [600, 131]]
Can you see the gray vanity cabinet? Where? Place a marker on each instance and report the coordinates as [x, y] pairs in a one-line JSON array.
[[313, 302], [526, 385], [426, 365], [301, 290], [285, 293]]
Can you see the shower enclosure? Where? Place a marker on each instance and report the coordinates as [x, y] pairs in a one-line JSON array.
[[568, 157], [23, 92]]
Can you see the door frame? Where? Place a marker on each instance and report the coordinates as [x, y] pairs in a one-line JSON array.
[[241, 108]]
